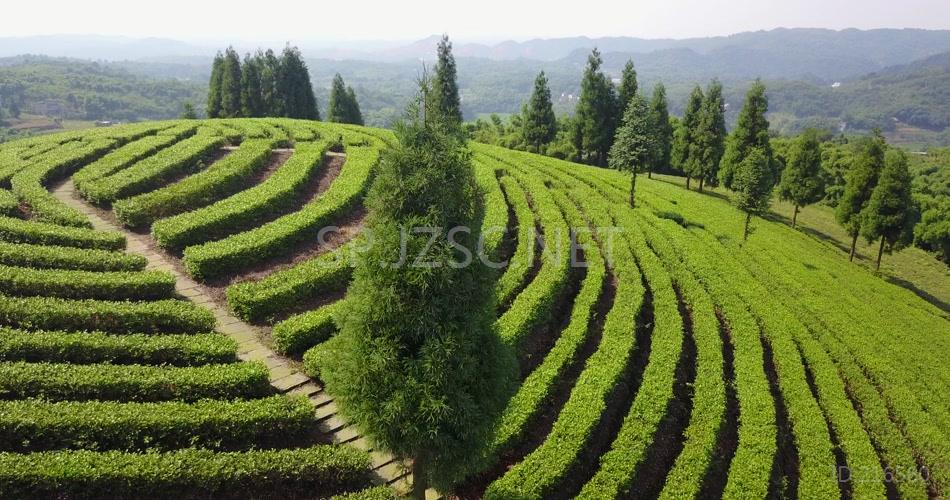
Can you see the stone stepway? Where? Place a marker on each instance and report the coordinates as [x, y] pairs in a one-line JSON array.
[[283, 375]]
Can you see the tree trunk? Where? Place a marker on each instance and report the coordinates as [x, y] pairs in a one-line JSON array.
[[633, 186], [649, 174], [854, 242], [795, 216], [418, 479], [880, 251], [687, 183], [745, 231], [701, 181]]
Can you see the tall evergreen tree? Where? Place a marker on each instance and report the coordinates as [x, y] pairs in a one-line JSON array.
[[662, 130], [890, 213], [540, 124], [417, 364], [213, 109], [751, 132], [338, 109], [859, 185], [293, 85], [634, 147], [753, 186], [252, 105], [445, 91], [356, 116], [685, 149], [803, 181], [710, 134], [188, 112], [595, 115], [231, 84], [271, 101], [628, 88]]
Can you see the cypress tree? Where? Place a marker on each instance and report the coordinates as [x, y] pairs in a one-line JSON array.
[[751, 132], [293, 85], [890, 214], [628, 87], [803, 182], [752, 183], [417, 364], [231, 84], [634, 146], [188, 112], [859, 185], [662, 130], [445, 91], [252, 105], [356, 116], [540, 124], [710, 135], [685, 149], [213, 109], [338, 109], [271, 101], [595, 116]]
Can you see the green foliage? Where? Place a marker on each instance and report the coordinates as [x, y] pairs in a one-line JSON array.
[[276, 421], [595, 118], [861, 179], [215, 98], [224, 177], [540, 124], [752, 182], [418, 366], [9, 206], [69, 382], [184, 474], [246, 209], [710, 134], [298, 333], [662, 130], [343, 106], [685, 150], [293, 86], [46, 313], [69, 284], [96, 347], [56, 257], [628, 88], [634, 146], [751, 132], [231, 84], [188, 112], [252, 95], [890, 213], [42, 233], [445, 90], [803, 181]]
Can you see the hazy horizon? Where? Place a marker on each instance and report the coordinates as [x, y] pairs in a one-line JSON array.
[[492, 21]]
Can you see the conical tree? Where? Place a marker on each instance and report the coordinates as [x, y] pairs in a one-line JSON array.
[[859, 185], [595, 115], [252, 105], [634, 146], [417, 364], [445, 91], [662, 130], [271, 100], [685, 147], [751, 132], [213, 109], [338, 109], [710, 134], [752, 184], [293, 84], [356, 116], [540, 124], [803, 182], [890, 213], [628, 87], [231, 84]]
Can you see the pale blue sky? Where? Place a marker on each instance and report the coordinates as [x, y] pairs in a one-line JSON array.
[[487, 20]]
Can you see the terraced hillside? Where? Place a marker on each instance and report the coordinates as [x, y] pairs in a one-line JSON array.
[[660, 357]]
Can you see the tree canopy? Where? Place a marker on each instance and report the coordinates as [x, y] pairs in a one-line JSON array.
[[540, 124], [634, 146]]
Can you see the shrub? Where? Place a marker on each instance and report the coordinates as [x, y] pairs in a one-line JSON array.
[[221, 179], [68, 382], [41, 233], [124, 156], [9, 206], [69, 284], [46, 313], [98, 347], [35, 425], [80, 259], [184, 474], [298, 333]]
